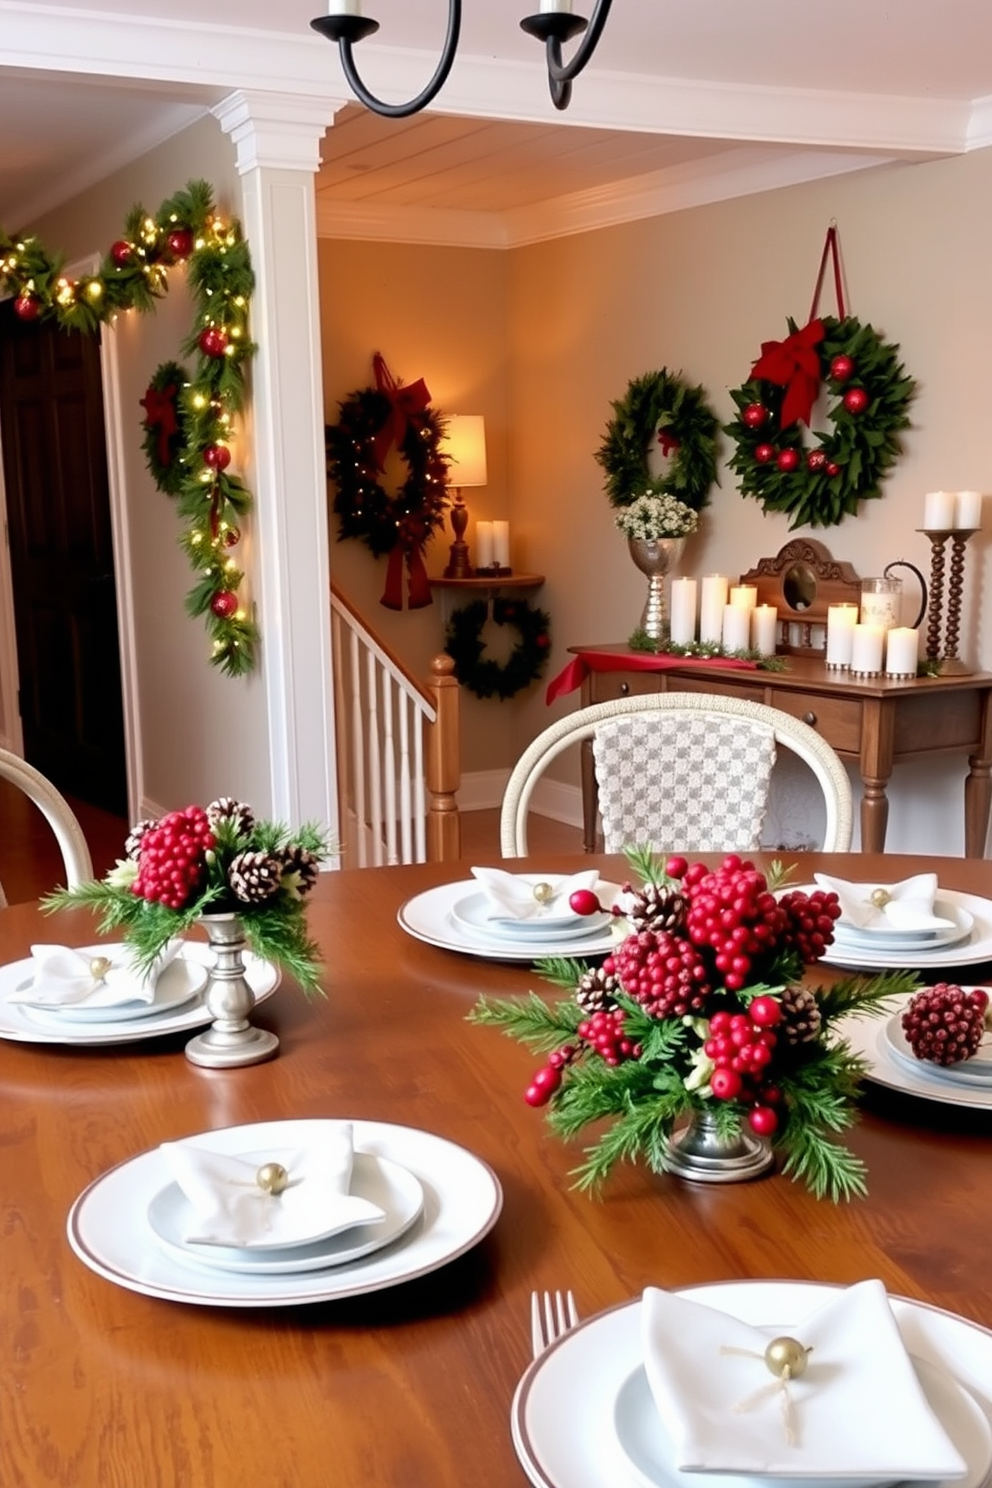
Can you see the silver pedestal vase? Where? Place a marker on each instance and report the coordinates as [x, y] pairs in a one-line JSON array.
[[698, 1152], [230, 1040], [656, 558]]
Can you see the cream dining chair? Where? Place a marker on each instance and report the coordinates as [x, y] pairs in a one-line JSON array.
[[75, 854], [681, 771]]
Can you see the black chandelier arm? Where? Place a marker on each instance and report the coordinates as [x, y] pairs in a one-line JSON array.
[[556, 27], [566, 72], [337, 28]]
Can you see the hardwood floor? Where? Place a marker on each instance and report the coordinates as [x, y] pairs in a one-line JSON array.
[[31, 864]]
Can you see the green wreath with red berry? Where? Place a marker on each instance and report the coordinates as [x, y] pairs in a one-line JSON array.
[[482, 674], [660, 407], [820, 484]]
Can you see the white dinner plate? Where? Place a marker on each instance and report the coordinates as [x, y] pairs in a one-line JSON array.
[[973, 948], [428, 917], [181, 981], [869, 1038], [397, 1192], [563, 1413], [23, 1025], [648, 1452], [109, 1228], [974, 1071], [474, 915], [962, 922]]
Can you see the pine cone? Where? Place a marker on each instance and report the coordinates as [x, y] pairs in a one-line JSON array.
[[655, 907], [254, 877], [299, 870], [595, 989], [226, 809], [801, 1021], [133, 840]]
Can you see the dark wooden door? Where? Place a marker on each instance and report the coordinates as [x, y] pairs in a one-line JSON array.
[[62, 559]]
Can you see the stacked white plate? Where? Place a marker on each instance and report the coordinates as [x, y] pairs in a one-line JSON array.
[[583, 1415], [966, 940], [461, 917], [132, 1225]]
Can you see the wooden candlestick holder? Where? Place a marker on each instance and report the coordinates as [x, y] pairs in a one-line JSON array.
[[946, 652]]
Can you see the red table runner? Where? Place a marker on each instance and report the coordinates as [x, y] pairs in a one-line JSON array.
[[577, 670]]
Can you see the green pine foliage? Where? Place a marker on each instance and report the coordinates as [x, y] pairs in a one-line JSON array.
[[660, 401]]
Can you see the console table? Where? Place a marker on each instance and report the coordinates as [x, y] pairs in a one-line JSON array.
[[875, 721]]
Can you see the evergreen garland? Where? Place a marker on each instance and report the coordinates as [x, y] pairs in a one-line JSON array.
[[134, 276], [480, 673], [850, 460], [660, 404]]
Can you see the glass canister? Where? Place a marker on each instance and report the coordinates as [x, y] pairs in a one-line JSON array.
[[881, 602]]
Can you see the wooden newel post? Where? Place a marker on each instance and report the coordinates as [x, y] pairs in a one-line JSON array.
[[444, 835]]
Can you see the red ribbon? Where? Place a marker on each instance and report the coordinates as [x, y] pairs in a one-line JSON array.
[[407, 404], [160, 413], [577, 670], [795, 365], [409, 548], [667, 442]]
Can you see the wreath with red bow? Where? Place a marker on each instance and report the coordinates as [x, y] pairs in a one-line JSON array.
[[373, 421], [820, 484]]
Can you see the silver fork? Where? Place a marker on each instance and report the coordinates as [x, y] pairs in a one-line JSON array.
[[551, 1315]]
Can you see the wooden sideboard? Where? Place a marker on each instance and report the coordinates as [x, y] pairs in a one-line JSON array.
[[874, 721]]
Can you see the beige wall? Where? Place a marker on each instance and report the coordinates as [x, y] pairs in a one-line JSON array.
[[202, 734]]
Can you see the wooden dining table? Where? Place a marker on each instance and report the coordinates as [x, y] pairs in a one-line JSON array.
[[103, 1387]]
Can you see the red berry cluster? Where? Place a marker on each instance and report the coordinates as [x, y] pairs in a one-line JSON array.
[[664, 973], [810, 922], [741, 1046], [604, 1032], [548, 1078], [172, 862], [944, 1024], [732, 912]]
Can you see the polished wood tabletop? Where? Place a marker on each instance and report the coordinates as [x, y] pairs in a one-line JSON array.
[[410, 1386]]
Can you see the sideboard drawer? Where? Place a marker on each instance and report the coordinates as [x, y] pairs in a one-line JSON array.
[[605, 687], [836, 719]]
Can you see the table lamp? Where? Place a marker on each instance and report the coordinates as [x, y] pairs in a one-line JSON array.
[[464, 443]]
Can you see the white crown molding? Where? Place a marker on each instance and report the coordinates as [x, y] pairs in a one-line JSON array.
[[980, 124], [214, 60], [743, 171], [275, 130]]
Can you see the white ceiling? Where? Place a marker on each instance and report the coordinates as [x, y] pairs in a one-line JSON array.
[[682, 103]]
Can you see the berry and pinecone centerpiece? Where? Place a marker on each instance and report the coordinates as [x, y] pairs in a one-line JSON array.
[[206, 861], [701, 1011]]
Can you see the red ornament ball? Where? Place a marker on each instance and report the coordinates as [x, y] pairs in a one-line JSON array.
[[584, 902], [816, 460], [217, 456], [855, 400], [212, 342], [764, 453], [122, 253], [224, 604], [232, 537], [754, 415], [841, 368], [181, 242], [788, 459], [832, 468], [27, 307], [763, 1120]]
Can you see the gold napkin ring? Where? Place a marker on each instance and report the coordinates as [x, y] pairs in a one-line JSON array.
[[544, 893], [272, 1178], [99, 966], [786, 1358]]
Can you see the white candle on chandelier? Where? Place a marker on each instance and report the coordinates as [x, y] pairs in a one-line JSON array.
[[714, 597], [344, 7], [556, 7], [683, 626]]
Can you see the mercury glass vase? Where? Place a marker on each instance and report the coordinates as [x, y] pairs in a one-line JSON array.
[[656, 557], [698, 1152], [230, 1040]]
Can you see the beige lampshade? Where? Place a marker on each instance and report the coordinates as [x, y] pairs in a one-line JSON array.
[[464, 443]]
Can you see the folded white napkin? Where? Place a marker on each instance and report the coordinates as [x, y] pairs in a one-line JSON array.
[[857, 1411], [108, 977], [900, 906], [512, 896], [231, 1208]]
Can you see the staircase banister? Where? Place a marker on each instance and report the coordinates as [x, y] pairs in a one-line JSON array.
[[381, 650]]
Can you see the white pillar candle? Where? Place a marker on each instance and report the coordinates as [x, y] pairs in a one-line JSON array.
[[841, 620], [968, 509], [902, 651], [744, 596], [344, 7], [867, 646], [764, 621], [501, 544], [553, 7], [736, 627], [939, 508], [714, 597], [483, 544], [683, 607]]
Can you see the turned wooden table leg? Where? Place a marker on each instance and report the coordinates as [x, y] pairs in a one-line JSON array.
[[877, 755], [874, 816], [978, 789]]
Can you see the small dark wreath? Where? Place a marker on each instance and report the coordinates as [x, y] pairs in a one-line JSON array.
[[820, 485], [366, 509], [481, 674], [167, 427], [663, 406]]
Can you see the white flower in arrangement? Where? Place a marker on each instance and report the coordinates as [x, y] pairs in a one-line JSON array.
[[652, 516]]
